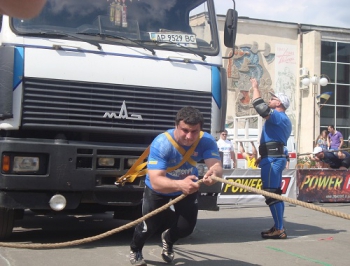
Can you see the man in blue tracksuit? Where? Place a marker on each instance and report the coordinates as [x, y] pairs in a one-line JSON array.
[[274, 136]]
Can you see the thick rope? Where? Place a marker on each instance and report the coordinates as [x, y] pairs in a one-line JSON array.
[[164, 207], [290, 200], [97, 237]]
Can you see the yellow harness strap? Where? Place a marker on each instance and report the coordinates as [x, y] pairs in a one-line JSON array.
[[139, 167], [186, 155]]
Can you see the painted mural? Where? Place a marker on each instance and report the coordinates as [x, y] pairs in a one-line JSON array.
[[251, 61]]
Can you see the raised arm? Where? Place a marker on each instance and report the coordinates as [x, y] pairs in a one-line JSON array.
[[242, 150], [259, 104], [255, 152]]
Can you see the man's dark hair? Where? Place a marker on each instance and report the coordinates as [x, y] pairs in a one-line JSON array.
[[190, 116], [331, 126], [223, 130]]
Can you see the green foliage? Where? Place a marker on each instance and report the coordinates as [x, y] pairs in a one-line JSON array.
[[306, 160]]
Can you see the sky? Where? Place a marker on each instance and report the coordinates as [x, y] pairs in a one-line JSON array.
[[331, 13]]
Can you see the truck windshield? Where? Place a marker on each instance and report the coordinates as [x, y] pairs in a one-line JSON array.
[[162, 23]]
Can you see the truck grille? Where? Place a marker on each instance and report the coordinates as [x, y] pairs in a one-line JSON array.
[[77, 106]]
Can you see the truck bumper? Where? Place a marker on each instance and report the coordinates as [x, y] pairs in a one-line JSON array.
[[70, 169]]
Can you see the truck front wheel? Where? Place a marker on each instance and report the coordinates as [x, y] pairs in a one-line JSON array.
[[7, 218]]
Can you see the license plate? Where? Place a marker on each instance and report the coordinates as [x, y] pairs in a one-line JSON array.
[[188, 40]]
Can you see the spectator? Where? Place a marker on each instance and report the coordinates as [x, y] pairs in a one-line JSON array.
[[340, 160], [321, 140], [21, 8], [250, 157], [345, 159], [226, 147], [335, 139]]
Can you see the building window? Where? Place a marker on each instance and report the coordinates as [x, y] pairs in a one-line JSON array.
[[335, 63]]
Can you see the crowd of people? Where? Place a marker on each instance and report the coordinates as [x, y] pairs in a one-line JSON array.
[[328, 152], [229, 159]]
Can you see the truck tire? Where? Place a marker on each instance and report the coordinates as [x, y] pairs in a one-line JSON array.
[[7, 218]]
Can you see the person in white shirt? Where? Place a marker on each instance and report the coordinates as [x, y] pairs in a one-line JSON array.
[[226, 147]]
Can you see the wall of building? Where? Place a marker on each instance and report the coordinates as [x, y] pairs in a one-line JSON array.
[[309, 112], [273, 53]]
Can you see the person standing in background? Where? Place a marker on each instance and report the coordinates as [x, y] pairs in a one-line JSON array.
[[335, 139], [286, 153], [226, 147], [274, 136], [321, 140]]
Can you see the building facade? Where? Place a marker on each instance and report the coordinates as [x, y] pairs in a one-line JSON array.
[[280, 56]]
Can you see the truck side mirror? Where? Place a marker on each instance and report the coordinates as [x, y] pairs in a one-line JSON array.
[[230, 29]]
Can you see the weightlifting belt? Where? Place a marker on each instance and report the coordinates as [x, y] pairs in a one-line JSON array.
[[271, 149]]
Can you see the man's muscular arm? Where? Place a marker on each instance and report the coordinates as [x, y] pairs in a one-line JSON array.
[[214, 168], [260, 106], [161, 183]]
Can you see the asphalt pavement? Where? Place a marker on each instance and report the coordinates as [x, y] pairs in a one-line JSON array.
[[230, 236]]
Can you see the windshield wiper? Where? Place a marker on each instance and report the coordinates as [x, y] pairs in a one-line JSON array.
[[184, 47], [103, 36], [61, 34]]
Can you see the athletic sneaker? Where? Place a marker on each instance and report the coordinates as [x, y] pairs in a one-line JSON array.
[[167, 251], [136, 258]]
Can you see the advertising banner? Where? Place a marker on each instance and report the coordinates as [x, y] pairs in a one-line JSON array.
[[323, 185], [251, 177]]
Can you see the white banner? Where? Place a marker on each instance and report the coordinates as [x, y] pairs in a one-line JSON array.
[[251, 177]]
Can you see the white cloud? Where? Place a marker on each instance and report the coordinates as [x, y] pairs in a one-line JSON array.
[[324, 13]]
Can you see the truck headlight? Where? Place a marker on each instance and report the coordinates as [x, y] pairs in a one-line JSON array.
[[106, 162], [131, 162], [25, 164]]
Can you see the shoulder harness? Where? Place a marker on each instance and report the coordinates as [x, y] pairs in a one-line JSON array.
[[139, 167]]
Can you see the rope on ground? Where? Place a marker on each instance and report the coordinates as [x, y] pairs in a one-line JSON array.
[[97, 237], [290, 200], [164, 207]]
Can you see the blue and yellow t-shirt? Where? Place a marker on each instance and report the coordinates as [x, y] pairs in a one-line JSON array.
[[164, 155]]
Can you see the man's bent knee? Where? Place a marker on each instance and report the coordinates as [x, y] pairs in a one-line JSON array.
[[269, 200]]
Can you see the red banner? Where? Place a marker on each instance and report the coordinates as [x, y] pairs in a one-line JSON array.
[[323, 185]]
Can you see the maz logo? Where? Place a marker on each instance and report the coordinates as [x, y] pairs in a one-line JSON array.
[[123, 114]]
